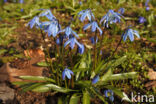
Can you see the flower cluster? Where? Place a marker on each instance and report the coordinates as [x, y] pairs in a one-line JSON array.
[[53, 28]]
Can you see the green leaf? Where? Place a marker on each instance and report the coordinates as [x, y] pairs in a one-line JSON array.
[[43, 64], [37, 78], [20, 83], [123, 76], [86, 97], [48, 87], [106, 75], [119, 93], [30, 86], [74, 99], [111, 64]]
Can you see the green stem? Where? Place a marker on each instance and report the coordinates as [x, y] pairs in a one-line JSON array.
[[95, 52], [117, 47], [99, 49], [71, 61], [47, 53]]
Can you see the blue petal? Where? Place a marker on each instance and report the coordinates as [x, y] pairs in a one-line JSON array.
[[89, 17], [63, 75], [125, 36], [68, 74], [130, 34], [72, 43], [136, 33], [94, 25], [86, 26], [75, 33], [81, 49], [95, 79], [111, 98], [68, 31], [106, 93], [67, 42], [100, 30]]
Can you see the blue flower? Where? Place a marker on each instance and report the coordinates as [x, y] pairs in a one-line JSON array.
[[111, 17], [67, 73], [68, 31], [93, 40], [95, 79], [21, 1], [48, 14], [142, 20], [81, 49], [121, 10], [130, 33], [147, 8], [53, 28], [72, 40], [94, 26], [86, 14], [34, 21], [22, 10], [110, 94]]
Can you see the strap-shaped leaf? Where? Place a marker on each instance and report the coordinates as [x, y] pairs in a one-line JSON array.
[[48, 87], [110, 77], [37, 78], [122, 76], [86, 97], [75, 98]]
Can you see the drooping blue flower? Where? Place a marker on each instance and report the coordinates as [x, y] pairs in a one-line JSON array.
[[22, 10], [21, 1], [121, 10], [47, 13], [130, 33], [86, 14], [94, 26], [81, 49], [110, 18], [142, 20], [110, 94], [72, 40], [147, 8], [53, 28], [34, 22], [93, 40], [68, 31], [67, 73], [95, 79]]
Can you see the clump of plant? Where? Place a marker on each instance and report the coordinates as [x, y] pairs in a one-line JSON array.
[[76, 69]]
